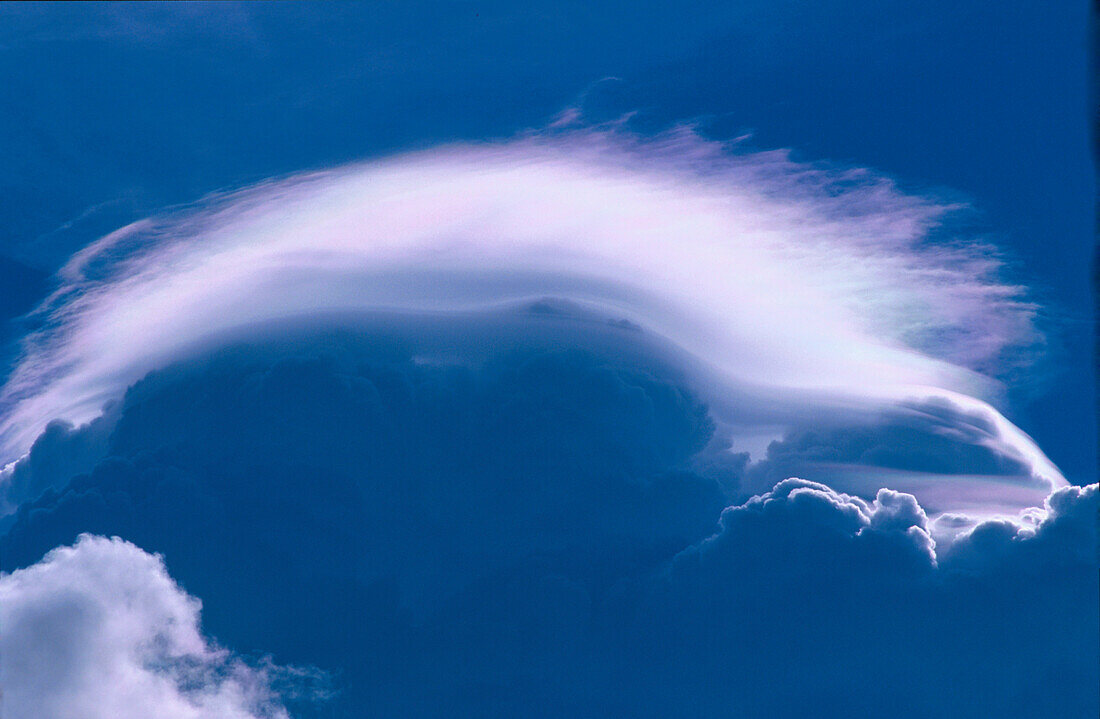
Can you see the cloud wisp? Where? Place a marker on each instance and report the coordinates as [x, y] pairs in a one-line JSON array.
[[802, 293]]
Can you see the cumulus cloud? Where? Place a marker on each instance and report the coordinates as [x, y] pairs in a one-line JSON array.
[[536, 535], [1063, 531], [434, 474], [793, 291], [99, 629], [60, 453], [810, 597], [470, 428]]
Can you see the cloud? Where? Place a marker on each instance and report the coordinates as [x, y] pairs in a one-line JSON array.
[[924, 447], [537, 534], [60, 453], [788, 292], [332, 510], [1064, 532], [810, 597], [435, 474], [470, 429], [99, 629]]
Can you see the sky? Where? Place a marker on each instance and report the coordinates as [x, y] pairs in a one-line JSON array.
[[468, 358]]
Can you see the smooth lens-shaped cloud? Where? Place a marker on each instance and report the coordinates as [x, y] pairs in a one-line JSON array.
[[802, 292]]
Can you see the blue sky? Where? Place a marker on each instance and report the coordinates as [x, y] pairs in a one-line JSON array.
[[113, 114], [458, 358]]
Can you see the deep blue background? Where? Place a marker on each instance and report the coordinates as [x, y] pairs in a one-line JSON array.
[[547, 557], [108, 113]]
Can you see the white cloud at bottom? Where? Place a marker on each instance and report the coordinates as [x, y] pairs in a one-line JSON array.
[[100, 630]]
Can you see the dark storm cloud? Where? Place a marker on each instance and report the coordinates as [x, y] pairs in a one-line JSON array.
[[811, 598], [60, 453], [375, 468], [543, 534]]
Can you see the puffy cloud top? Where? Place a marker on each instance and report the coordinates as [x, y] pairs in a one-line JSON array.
[[545, 534], [99, 630]]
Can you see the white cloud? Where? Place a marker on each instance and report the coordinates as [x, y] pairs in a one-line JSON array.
[[804, 291], [100, 631]]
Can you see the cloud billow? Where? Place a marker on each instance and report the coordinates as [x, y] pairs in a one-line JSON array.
[[575, 424], [536, 534], [99, 630], [809, 597]]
